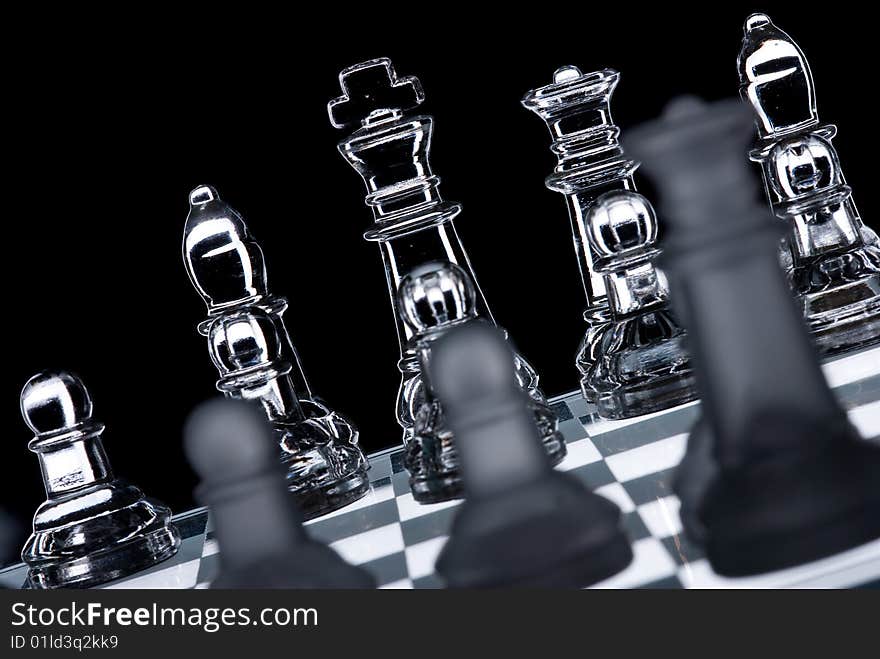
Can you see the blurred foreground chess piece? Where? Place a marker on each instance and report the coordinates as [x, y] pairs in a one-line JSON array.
[[92, 528], [795, 482], [413, 225], [10, 542], [256, 359], [522, 523], [832, 258], [257, 525], [433, 298]]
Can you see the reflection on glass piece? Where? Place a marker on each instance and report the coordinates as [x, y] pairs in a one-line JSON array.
[[639, 364], [413, 224], [325, 468], [256, 360], [832, 258], [92, 528], [625, 355], [435, 297], [576, 107]]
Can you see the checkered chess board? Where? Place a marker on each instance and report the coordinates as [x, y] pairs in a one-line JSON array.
[[631, 462]]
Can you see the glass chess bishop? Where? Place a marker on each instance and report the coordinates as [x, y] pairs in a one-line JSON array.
[[256, 359], [413, 226], [832, 259], [93, 527], [434, 298]]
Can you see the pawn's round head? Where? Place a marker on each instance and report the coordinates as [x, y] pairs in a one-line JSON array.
[[54, 402], [620, 221], [803, 164], [434, 294], [244, 339], [226, 439]]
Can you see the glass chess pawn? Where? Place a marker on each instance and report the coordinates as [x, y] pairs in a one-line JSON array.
[[433, 298], [638, 359], [325, 468], [93, 527]]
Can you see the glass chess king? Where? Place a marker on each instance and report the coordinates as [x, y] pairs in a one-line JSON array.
[[413, 226]]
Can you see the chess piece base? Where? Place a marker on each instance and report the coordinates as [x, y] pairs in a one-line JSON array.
[[642, 367], [661, 394], [796, 506], [432, 460], [310, 565], [325, 468], [314, 502], [126, 535], [551, 534], [597, 318], [840, 297]]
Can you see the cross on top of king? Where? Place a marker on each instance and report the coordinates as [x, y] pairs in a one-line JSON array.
[[372, 92]]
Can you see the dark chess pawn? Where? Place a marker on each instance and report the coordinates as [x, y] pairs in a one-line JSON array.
[[325, 468], [257, 525], [92, 528], [433, 298], [522, 524], [638, 361], [833, 259], [793, 480]]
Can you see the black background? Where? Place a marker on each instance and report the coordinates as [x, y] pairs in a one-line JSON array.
[[112, 127]]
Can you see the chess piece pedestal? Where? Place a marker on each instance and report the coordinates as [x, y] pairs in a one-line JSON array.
[[93, 528]]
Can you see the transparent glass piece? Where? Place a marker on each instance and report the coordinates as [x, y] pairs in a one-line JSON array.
[[92, 528], [433, 298], [637, 358], [325, 468], [412, 224], [252, 351], [590, 162], [832, 259]]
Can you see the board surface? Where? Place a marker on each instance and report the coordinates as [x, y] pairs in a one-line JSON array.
[[631, 462]]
